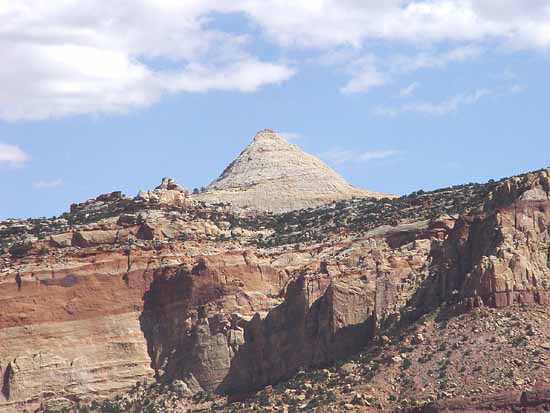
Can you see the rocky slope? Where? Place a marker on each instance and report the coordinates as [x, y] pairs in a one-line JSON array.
[[440, 299], [436, 365], [274, 175]]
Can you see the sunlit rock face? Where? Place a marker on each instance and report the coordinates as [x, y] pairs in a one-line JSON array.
[[165, 287], [274, 175]]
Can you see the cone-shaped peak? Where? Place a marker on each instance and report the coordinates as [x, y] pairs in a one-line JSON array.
[[274, 175], [268, 139], [267, 134]]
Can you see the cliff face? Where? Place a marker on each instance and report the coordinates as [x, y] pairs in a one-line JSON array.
[[192, 315], [499, 257], [163, 287], [298, 335], [71, 295]]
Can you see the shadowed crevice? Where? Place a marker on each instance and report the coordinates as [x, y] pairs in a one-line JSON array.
[[294, 336], [6, 381]]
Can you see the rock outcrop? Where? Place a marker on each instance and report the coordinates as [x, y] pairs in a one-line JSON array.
[[164, 287], [169, 192], [500, 256], [301, 334], [193, 315], [274, 175], [527, 402]]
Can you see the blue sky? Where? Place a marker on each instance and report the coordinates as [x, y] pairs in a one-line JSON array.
[[396, 96]]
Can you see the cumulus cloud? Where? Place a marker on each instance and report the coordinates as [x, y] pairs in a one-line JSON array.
[[48, 184], [67, 57], [91, 56], [452, 32], [328, 23], [12, 155], [339, 156], [244, 76]]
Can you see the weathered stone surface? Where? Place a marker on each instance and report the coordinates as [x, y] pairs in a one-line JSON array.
[[190, 317], [499, 257], [122, 289], [169, 192], [274, 175], [301, 334], [62, 240], [101, 355], [98, 237]]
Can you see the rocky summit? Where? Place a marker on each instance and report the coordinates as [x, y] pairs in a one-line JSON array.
[[431, 302], [274, 175]]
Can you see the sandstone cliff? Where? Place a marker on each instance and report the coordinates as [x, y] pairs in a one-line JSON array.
[[163, 287]]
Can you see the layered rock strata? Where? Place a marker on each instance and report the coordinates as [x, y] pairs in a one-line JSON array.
[[162, 286], [499, 256], [274, 175]]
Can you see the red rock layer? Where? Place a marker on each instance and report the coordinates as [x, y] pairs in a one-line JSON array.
[[187, 294]]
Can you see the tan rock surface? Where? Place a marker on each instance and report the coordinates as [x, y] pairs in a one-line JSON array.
[[121, 289], [274, 175], [101, 355]]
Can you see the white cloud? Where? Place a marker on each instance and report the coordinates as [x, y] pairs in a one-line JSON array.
[[369, 156], [12, 155], [325, 24], [453, 31], [69, 57], [60, 80], [291, 136], [432, 60], [451, 104], [339, 156], [409, 90], [48, 184], [55, 80], [371, 71], [245, 76], [366, 76], [441, 108], [91, 56]]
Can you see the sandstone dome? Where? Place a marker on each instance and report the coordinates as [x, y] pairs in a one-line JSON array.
[[274, 175]]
